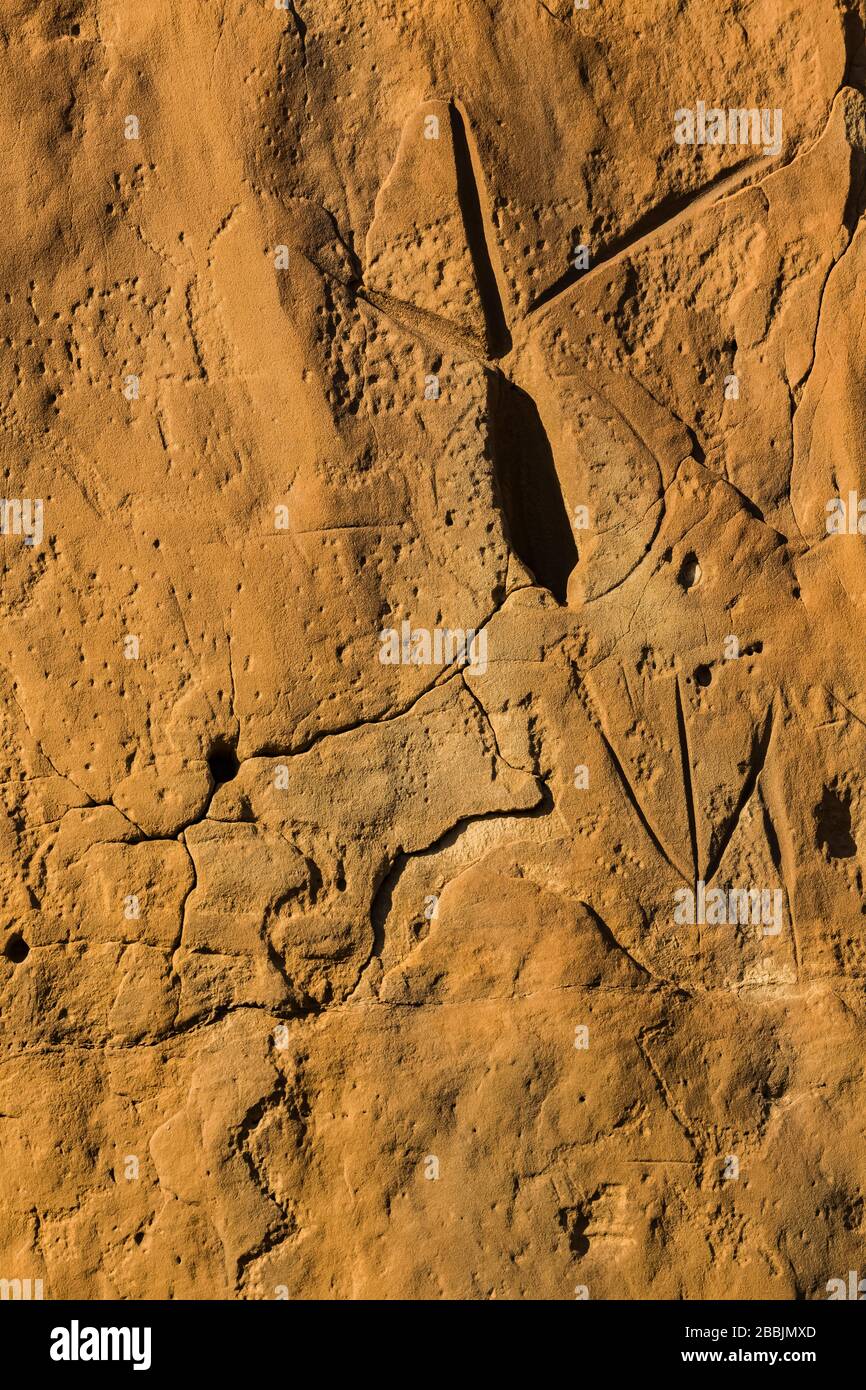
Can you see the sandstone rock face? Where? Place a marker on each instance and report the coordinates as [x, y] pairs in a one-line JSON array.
[[431, 662]]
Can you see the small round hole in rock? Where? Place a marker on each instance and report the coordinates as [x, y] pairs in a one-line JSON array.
[[223, 761], [703, 675], [16, 949], [690, 571]]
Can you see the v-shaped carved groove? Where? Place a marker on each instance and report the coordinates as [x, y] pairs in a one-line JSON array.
[[478, 236]]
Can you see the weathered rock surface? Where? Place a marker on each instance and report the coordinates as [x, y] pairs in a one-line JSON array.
[[433, 696]]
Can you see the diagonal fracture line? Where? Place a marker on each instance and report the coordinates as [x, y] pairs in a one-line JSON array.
[[477, 214], [686, 759], [423, 323], [655, 221]]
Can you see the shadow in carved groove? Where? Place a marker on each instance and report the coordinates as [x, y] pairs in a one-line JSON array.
[[535, 513]]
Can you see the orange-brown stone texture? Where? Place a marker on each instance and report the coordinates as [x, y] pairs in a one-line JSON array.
[[432, 665]]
